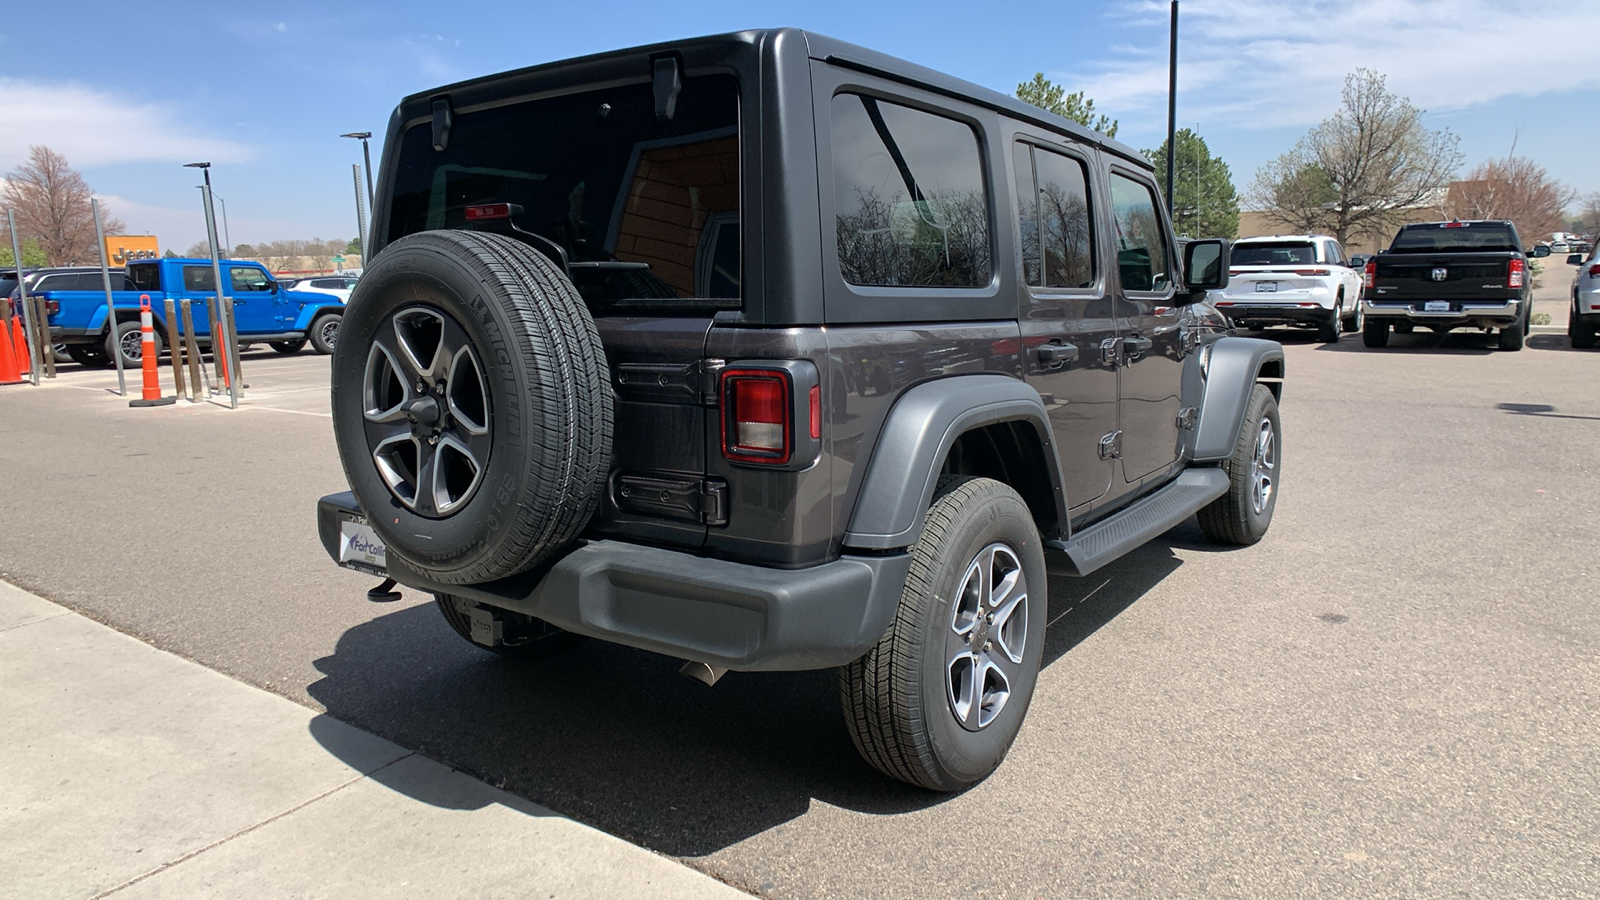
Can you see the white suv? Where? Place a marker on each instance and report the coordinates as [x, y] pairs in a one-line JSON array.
[[1303, 280]]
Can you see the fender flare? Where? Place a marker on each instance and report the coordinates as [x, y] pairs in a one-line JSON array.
[[310, 314], [1231, 371], [920, 429]]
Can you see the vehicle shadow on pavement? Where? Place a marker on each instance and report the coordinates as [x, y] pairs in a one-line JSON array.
[[1455, 343], [1553, 342], [1541, 410], [615, 737]]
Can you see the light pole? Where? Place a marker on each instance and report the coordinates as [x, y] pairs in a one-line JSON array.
[[366, 156], [1172, 105]]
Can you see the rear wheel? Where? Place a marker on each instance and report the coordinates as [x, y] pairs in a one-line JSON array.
[[521, 637], [1580, 335], [1514, 337], [131, 340], [1328, 332], [940, 698], [1375, 333]]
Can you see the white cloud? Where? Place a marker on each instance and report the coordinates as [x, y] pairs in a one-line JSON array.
[[92, 127], [1282, 63]]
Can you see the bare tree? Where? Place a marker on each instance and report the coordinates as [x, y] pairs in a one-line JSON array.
[[51, 202], [1515, 188], [1362, 171]]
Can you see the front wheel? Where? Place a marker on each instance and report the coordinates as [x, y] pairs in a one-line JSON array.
[[324, 333], [288, 348], [1242, 515], [939, 699]]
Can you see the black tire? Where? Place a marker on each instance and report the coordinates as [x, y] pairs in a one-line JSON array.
[[1404, 328], [1581, 336], [1354, 322], [1514, 337], [898, 704], [1328, 332], [288, 348], [1242, 515], [545, 404], [324, 333], [133, 347], [1375, 333], [88, 356], [523, 637]]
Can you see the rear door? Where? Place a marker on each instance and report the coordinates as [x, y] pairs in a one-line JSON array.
[[1147, 318], [1067, 316]]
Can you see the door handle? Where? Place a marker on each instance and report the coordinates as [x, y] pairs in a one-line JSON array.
[[1136, 344], [1054, 356]]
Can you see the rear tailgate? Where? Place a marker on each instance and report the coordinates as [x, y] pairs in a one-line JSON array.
[[1445, 276]]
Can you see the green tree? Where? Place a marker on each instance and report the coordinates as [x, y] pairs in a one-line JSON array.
[[1047, 95], [32, 255], [1204, 202], [1363, 170], [169, 254], [353, 248]]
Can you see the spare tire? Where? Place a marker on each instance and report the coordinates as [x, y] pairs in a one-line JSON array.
[[471, 405]]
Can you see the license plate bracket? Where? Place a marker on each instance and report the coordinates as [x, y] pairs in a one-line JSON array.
[[360, 548], [1436, 306], [1266, 287]]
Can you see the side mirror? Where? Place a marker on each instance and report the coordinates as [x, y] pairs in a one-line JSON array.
[[1205, 264], [1575, 259], [1540, 251]]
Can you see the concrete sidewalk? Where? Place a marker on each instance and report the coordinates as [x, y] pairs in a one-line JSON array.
[[128, 771]]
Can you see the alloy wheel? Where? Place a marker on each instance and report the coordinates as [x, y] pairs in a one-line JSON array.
[[988, 631]]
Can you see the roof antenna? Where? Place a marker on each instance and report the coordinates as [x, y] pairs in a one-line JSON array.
[[668, 81]]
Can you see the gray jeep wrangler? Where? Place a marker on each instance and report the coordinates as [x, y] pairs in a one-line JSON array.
[[769, 352]]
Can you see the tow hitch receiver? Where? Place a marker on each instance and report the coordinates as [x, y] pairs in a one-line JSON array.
[[487, 628]]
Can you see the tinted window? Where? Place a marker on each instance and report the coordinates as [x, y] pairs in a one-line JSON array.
[[1027, 213], [146, 278], [1274, 253], [626, 196], [1335, 255], [198, 278], [909, 196], [1484, 236], [246, 279], [1141, 255], [1064, 229]]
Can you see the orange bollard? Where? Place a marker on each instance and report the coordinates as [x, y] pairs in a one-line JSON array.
[[9, 373], [147, 359]]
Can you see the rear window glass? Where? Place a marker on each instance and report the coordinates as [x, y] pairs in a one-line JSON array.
[[1280, 253], [1487, 237], [645, 210], [198, 278], [910, 197], [145, 278]]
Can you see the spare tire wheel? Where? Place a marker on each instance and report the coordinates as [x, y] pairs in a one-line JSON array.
[[471, 405]]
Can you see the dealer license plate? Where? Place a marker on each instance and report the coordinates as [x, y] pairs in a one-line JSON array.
[[1266, 287], [360, 547], [1436, 306]]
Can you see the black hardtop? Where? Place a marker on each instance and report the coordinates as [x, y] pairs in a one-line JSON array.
[[745, 46]]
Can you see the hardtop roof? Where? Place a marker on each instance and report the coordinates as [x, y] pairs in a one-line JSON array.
[[819, 47]]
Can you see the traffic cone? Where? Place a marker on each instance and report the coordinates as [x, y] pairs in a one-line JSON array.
[[8, 361], [147, 358], [19, 345]]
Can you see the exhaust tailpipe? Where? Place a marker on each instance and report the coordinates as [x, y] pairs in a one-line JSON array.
[[705, 673]]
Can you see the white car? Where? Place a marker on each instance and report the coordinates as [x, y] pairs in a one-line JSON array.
[[335, 285], [1304, 280]]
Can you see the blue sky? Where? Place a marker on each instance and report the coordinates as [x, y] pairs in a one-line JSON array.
[[137, 91]]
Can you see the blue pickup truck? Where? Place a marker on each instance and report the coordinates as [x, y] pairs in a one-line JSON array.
[[264, 312]]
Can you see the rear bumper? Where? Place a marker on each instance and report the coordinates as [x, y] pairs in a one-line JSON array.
[[1490, 314], [742, 617], [1270, 314]]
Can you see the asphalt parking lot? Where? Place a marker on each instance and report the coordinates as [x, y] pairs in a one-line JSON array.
[[1393, 694]]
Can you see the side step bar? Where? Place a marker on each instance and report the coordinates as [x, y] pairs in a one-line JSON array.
[[1107, 540]]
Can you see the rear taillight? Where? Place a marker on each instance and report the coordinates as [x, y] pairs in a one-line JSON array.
[[1594, 271], [1369, 273], [1312, 272], [1233, 272], [757, 426], [1518, 273], [52, 306]]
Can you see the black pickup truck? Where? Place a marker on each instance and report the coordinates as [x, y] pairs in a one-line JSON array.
[[1444, 275]]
